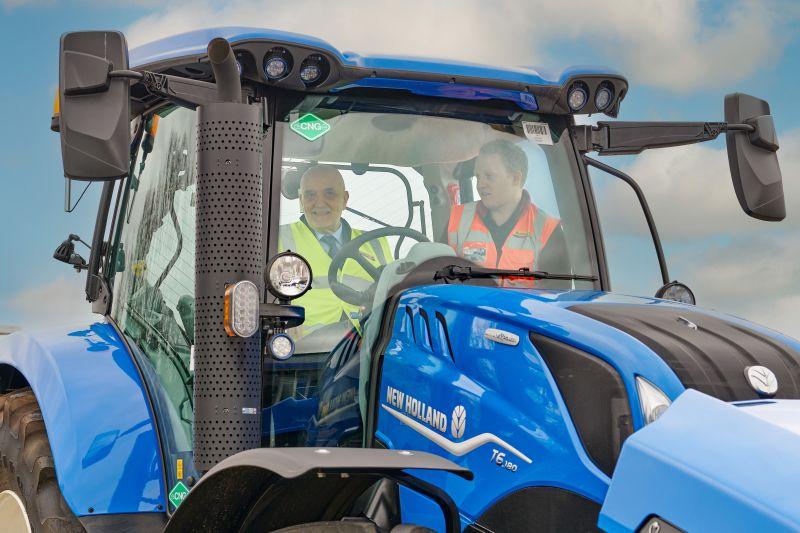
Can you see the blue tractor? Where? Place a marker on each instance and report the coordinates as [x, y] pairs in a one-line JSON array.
[[317, 312]]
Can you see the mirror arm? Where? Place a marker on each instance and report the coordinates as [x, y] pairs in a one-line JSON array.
[[621, 138], [131, 74], [651, 224], [184, 92]]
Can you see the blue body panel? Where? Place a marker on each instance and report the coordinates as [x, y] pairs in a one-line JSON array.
[[707, 465], [506, 391], [195, 42], [97, 416]]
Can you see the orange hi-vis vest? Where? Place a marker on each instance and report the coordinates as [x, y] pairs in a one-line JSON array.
[[471, 239]]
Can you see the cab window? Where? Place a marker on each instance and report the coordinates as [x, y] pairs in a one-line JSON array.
[[153, 265], [371, 188]]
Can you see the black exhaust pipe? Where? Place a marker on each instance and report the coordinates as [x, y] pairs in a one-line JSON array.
[[226, 73]]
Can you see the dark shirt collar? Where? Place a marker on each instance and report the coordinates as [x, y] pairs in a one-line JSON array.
[[500, 232], [524, 202], [346, 229]]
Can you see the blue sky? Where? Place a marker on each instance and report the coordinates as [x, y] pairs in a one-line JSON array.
[[680, 57]]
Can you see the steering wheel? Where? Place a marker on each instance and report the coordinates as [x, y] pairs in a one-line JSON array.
[[351, 250]]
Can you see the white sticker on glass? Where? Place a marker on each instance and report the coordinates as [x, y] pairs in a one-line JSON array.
[[538, 132]]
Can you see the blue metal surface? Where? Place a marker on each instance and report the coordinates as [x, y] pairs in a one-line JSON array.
[[707, 465], [97, 417], [506, 391], [195, 42]]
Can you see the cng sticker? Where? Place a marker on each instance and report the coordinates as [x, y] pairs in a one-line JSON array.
[[178, 494], [310, 127]]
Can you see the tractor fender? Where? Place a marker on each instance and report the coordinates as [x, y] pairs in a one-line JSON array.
[[266, 489], [97, 415]]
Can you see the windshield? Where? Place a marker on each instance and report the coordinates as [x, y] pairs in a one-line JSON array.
[[491, 188]]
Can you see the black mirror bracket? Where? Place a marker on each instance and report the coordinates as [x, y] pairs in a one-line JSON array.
[[621, 138], [648, 215]]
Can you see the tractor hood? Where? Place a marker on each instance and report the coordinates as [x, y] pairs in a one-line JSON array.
[[707, 351], [673, 345]]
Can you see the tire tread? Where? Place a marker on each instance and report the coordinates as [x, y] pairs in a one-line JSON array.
[[27, 466]]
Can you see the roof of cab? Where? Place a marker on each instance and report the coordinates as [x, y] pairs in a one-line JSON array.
[[195, 42]]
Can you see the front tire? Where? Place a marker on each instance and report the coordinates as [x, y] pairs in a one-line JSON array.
[[29, 489]]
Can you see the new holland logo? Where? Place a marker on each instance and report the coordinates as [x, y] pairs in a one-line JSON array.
[[458, 421], [762, 379], [432, 424]]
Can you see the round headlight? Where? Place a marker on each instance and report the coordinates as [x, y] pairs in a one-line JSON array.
[[288, 276], [310, 73], [677, 292], [577, 97], [603, 96], [276, 68], [281, 346]]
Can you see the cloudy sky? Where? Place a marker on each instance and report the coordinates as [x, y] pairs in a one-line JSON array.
[[680, 57]]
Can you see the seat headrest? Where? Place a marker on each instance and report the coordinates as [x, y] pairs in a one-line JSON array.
[[290, 183]]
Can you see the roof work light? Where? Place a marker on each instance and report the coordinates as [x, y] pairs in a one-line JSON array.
[[277, 63], [578, 96], [603, 96]]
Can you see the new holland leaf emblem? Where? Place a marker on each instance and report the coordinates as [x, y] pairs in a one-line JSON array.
[[458, 421]]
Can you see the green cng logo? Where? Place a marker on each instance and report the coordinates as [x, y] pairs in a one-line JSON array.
[[310, 127], [178, 494]]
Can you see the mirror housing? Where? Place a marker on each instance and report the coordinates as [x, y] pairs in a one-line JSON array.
[[752, 157], [94, 109]]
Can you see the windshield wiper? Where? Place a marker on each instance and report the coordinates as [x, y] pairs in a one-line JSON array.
[[461, 273]]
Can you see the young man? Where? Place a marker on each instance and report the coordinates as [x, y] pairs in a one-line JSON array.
[[504, 229], [318, 236]]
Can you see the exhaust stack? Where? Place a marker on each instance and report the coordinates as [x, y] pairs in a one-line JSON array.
[[227, 379]]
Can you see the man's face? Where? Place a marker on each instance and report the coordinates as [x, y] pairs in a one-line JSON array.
[[323, 198], [497, 186]]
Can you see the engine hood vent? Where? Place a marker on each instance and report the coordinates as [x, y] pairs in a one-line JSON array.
[[706, 352]]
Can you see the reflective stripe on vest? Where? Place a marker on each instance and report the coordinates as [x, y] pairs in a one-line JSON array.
[[471, 239], [321, 304]]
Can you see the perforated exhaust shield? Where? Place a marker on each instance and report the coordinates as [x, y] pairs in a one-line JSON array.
[[227, 378]]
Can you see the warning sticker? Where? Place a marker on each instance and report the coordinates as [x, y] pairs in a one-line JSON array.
[[538, 132]]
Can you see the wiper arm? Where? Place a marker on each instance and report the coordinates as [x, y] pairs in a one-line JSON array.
[[461, 273]]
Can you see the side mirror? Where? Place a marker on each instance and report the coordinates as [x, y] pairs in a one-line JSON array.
[[753, 159], [94, 109]]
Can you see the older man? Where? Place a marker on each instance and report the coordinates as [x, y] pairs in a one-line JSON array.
[[504, 229], [318, 236]]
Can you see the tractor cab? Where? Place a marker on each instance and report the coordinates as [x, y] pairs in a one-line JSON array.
[[306, 248]]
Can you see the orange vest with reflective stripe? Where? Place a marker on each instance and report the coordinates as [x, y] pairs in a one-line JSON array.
[[471, 239]]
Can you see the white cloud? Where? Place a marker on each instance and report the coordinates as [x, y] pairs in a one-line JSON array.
[[675, 45], [733, 263], [755, 277], [690, 192], [57, 302]]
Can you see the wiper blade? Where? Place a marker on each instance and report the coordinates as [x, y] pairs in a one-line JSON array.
[[461, 273]]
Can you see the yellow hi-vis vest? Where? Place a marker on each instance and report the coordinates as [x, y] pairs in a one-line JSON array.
[[321, 304]]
